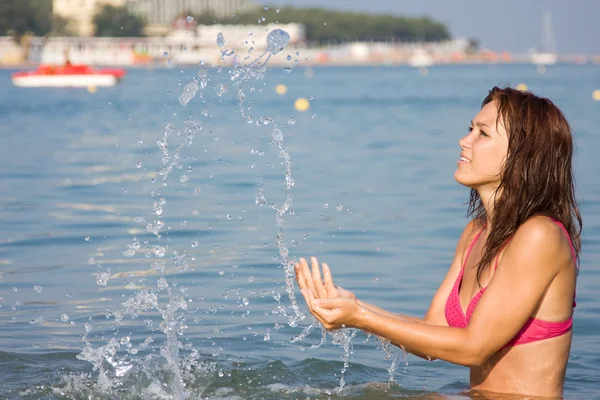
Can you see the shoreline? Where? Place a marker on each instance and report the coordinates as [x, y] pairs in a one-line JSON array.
[[345, 64]]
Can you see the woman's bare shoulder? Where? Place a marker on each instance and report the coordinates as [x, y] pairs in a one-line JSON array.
[[541, 233]]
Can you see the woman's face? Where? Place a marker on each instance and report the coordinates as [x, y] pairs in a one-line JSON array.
[[483, 151]]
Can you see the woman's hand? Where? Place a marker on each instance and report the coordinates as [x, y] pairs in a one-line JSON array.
[[333, 306], [325, 288], [339, 312]]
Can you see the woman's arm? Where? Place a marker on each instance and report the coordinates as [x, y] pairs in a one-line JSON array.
[[527, 268], [311, 280], [383, 312]]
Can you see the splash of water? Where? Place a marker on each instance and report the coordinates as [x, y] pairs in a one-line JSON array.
[[111, 361], [108, 360], [240, 75]]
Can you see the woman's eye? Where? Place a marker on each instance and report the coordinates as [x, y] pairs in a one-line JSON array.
[[482, 133]]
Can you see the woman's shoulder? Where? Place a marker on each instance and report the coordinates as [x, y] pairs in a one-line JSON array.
[[543, 234], [543, 229]]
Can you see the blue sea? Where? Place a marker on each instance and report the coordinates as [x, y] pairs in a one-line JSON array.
[[95, 305]]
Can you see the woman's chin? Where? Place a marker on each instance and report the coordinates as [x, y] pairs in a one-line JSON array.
[[460, 177]]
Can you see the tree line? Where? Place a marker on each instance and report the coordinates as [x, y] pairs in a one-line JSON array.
[[34, 17], [20, 17], [324, 25]]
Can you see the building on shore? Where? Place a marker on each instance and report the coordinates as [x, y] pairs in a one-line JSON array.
[[81, 13], [179, 47], [160, 14]]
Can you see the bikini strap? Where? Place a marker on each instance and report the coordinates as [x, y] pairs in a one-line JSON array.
[[471, 247], [557, 222]]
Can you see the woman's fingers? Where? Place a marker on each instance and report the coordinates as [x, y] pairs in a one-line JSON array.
[[318, 313], [329, 287], [299, 276], [316, 277], [306, 276]]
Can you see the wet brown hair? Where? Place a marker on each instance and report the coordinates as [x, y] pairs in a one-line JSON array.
[[537, 176]]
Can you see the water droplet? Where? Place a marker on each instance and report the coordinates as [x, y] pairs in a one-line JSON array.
[[291, 121], [229, 217], [260, 198], [138, 164], [289, 58], [277, 135], [277, 11], [251, 279], [165, 54], [87, 239], [194, 243], [64, 317], [277, 39], [375, 280], [189, 91], [339, 208], [221, 374], [189, 19], [184, 178], [266, 8], [222, 89], [220, 39], [197, 191], [245, 301], [162, 283], [159, 251], [37, 289], [102, 278]]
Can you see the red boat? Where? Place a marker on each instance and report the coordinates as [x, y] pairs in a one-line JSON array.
[[68, 75]]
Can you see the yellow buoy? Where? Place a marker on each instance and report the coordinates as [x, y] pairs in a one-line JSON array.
[[521, 86], [91, 89], [302, 104], [596, 95], [281, 89]]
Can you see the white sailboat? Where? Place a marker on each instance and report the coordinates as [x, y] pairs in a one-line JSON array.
[[547, 54]]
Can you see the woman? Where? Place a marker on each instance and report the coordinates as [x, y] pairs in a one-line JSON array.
[[505, 307]]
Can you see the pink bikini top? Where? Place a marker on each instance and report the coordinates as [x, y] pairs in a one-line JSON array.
[[532, 331]]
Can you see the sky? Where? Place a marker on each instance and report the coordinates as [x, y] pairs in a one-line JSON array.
[[500, 25]]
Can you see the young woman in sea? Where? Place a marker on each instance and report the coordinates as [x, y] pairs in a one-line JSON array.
[[505, 307]]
